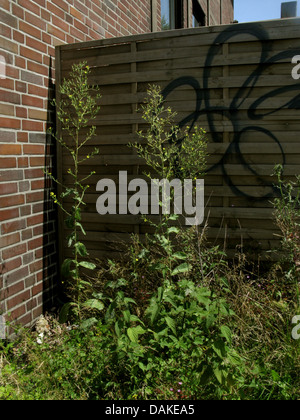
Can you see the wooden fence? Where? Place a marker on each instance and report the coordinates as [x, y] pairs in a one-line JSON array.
[[234, 81]]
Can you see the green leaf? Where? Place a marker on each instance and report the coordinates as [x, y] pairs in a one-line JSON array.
[[171, 323], [117, 329], [129, 300], [64, 312], [126, 315], [219, 374], [81, 249], [180, 256], [234, 358], [153, 311], [134, 333], [81, 227], [219, 348], [226, 333], [173, 229], [88, 265], [94, 304], [66, 268], [88, 323], [181, 269]]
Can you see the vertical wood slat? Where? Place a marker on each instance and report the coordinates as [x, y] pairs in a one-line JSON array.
[[134, 108]]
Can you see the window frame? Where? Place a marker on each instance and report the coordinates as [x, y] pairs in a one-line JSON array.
[[175, 19]]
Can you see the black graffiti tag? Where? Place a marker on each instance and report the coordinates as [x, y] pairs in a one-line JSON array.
[[203, 104]]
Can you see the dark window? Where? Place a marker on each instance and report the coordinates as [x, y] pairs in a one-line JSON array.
[[171, 14], [198, 15]]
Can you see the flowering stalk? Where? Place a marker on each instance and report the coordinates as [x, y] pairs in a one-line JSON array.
[[75, 111]]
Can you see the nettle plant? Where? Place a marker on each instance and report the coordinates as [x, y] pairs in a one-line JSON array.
[[169, 153], [77, 108]]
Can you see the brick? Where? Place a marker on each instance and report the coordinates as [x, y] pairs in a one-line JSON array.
[[37, 289], [13, 175], [23, 162], [37, 138], [30, 5], [56, 32], [36, 149], [36, 114], [21, 112], [62, 4], [8, 19], [17, 313], [34, 197], [11, 265], [20, 62], [35, 243], [10, 201], [8, 240], [20, 86], [19, 37], [36, 45], [30, 30], [7, 136], [5, 31], [31, 54], [10, 149], [61, 24], [35, 21], [5, 4], [15, 276], [34, 173], [7, 163], [14, 226], [29, 125], [9, 188], [35, 220], [37, 68], [55, 10], [8, 214], [29, 77], [29, 100], [14, 251], [6, 84], [15, 288], [16, 300], [17, 11], [24, 186], [6, 109], [11, 97], [36, 266], [22, 137], [8, 45], [27, 234], [10, 123]]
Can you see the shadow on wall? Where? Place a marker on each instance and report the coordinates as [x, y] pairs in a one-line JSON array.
[[50, 224]]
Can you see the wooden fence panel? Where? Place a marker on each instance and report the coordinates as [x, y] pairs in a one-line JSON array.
[[234, 81]]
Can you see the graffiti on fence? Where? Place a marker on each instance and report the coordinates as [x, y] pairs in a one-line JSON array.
[[203, 104]]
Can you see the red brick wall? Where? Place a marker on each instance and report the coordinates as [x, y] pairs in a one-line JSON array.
[[29, 32]]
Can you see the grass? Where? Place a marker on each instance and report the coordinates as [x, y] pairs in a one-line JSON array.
[[96, 363]]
